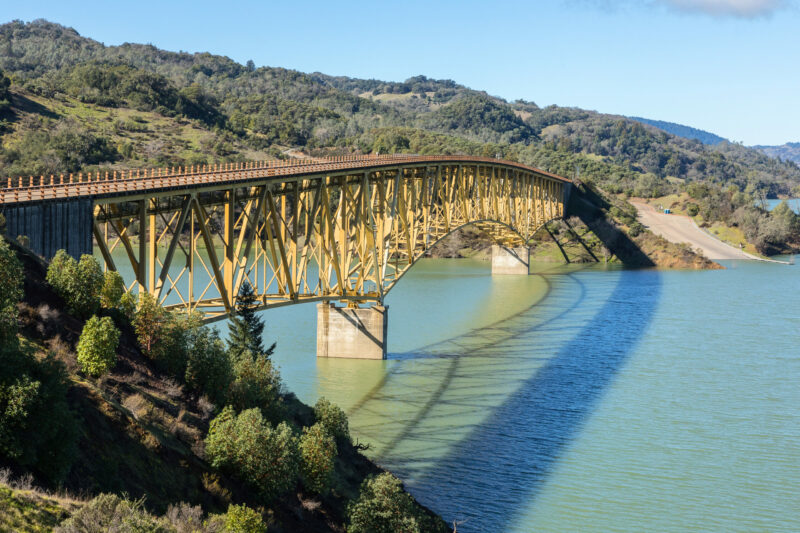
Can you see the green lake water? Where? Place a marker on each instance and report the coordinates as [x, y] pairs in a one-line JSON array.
[[579, 399]]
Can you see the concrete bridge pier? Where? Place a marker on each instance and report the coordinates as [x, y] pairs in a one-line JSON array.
[[510, 260], [354, 333]]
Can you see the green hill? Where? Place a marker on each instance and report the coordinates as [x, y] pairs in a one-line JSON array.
[[75, 104], [687, 132]]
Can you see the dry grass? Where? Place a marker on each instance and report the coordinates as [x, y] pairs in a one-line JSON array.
[[140, 409]]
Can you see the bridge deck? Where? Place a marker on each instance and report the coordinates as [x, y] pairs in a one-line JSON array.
[[109, 184]]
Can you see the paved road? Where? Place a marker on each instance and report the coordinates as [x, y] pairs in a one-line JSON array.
[[678, 228]]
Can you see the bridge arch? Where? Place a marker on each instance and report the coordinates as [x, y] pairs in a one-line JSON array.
[[314, 230]]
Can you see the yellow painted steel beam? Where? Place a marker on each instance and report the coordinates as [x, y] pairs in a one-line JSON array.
[[346, 236]]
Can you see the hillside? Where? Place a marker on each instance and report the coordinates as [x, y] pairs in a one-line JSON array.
[[784, 152], [687, 132], [75, 104], [140, 430]]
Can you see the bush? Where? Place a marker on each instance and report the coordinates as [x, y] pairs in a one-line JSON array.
[[79, 283], [10, 292], [332, 418], [247, 447], [113, 289], [208, 370], [635, 229], [97, 346], [242, 519], [317, 455], [164, 336], [37, 429], [108, 512], [127, 304], [383, 507], [692, 210], [257, 383]]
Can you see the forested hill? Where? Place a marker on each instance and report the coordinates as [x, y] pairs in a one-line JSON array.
[[786, 152], [687, 132], [75, 103]]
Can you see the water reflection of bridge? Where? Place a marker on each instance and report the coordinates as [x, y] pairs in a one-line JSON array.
[[475, 424]]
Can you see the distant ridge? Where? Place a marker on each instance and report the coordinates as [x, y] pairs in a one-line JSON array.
[[687, 132], [784, 152]]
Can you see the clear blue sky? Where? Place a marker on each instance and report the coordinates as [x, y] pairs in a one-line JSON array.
[[727, 66]]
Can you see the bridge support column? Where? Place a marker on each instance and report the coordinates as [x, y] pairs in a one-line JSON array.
[[351, 333], [510, 260]]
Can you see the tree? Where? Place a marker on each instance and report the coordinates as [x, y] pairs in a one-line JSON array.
[[242, 519], [10, 292], [383, 507], [246, 446], [208, 370], [5, 94], [256, 383], [317, 455], [332, 418], [164, 337], [79, 283], [113, 289], [97, 346], [247, 328], [148, 322]]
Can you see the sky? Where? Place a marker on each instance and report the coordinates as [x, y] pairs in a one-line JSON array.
[[726, 66]]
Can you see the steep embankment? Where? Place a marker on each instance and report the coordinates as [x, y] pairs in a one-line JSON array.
[[141, 434], [603, 228]]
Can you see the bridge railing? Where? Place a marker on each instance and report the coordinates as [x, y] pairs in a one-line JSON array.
[[99, 183]]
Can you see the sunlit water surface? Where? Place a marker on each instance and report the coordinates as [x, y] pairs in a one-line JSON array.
[[578, 399]]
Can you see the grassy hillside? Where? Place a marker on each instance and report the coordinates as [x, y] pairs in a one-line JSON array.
[[75, 104], [142, 430]]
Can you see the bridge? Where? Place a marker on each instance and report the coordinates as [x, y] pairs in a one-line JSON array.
[[333, 231]]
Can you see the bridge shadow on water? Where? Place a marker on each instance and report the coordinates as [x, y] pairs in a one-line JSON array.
[[492, 472]]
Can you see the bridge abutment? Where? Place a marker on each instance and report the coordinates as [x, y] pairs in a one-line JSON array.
[[354, 333], [510, 260]]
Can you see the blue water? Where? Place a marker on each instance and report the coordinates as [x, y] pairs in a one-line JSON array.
[[794, 204], [583, 400]]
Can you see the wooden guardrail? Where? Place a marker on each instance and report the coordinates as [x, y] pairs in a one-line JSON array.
[[103, 183]]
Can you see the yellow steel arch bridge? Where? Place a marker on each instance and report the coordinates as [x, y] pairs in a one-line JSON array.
[[311, 230]]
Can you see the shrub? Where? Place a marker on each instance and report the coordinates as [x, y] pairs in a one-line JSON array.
[[127, 304], [257, 383], [113, 289], [11, 280], [317, 455], [635, 229], [164, 336], [108, 512], [79, 283], [247, 447], [692, 210], [242, 519], [148, 322], [97, 346], [382, 507], [37, 429], [208, 370], [332, 418], [10, 293]]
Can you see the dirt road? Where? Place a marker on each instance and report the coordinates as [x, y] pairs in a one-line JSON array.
[[678, 228]]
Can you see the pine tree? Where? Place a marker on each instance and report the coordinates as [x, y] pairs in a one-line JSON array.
[[246, 327]]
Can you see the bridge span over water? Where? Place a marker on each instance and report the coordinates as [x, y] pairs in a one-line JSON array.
[[331, 230]]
